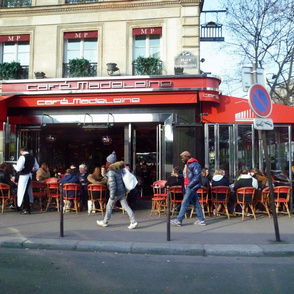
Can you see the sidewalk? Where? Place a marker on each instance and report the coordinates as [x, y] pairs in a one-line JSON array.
[[220, 237]]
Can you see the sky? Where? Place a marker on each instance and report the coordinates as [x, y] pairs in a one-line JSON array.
[[217, 61]]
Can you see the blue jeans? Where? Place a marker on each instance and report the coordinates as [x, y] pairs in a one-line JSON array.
[[124, 204], [190, 196]]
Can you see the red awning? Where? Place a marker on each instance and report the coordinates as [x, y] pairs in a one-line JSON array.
[[237, 110], [4, 97]]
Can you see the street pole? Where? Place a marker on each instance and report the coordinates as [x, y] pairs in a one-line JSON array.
[[268, 172], [168, 213], [262, 136]]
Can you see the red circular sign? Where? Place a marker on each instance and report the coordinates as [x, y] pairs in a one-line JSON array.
[[260, 101]]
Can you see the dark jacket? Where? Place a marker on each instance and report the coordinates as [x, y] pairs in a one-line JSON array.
[[115, 183], [219, 180], [175, 181], [5, 179], [193, 180], [205, 182], [69, 179]]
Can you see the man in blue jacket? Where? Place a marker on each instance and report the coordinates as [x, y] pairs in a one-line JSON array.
[[192, 182]]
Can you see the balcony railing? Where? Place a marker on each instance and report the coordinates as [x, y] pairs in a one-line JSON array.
[[91, 73], [79, 1], [15, 3], [147, 71]]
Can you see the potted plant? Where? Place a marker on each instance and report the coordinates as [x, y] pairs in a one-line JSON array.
[[79, 67], [10, 70], [147, 66]]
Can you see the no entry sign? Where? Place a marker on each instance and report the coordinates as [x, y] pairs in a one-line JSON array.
[[260, 101]]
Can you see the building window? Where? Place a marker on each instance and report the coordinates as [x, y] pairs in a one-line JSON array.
[[16, 48], [79, 1], [81, 45], [147, 42], [15, 3]]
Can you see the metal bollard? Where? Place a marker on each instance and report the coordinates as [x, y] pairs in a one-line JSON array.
[[168, 213], [61, 213]]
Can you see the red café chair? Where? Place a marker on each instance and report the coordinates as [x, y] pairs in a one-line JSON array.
[[97, 194], [281, 198], [245, 198], [6, 197], [203, 196], [67, 196], [176, 197], [221, 195], [159, 197], [263, 199], [39, 192], [53, 195]]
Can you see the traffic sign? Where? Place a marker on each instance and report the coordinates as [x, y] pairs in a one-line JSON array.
[[260, 101]]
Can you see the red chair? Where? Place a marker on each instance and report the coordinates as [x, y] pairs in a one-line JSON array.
[[282, 197], [220, 196], [71, 192], [53, 195], [176, 197], [6, 197], [263, 199], [97, 193], [40, 192], [159, 197], [203, 196], [245, 197]]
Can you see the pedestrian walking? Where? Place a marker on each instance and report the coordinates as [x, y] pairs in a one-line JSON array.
[[192, 182], [25, 165], [117, 191]]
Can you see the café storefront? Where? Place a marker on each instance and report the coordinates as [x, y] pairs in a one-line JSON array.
[[145, 119]]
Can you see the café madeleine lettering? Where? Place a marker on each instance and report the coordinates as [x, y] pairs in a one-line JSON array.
[[112, 85], [88, 101]]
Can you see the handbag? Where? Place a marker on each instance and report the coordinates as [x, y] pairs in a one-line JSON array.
[[130, 181]]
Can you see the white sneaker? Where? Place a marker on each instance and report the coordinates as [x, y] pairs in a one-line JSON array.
[[132, 225], [101, 223]]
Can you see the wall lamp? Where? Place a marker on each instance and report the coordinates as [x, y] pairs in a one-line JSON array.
[[93, 126], [111, 68]]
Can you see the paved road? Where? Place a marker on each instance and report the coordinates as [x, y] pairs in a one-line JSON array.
[[26, 271]]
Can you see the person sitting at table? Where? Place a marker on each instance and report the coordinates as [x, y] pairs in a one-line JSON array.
[[5, 178], [43, 172], [69, 178], [219, 179], [176, 178], [205, 178], [96, 177]]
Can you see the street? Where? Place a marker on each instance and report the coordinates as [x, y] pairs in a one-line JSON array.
[[44, 271]]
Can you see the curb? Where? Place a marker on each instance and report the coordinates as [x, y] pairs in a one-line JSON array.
[[242, 250]]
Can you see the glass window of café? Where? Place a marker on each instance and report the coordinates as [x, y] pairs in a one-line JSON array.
[[237, 146]]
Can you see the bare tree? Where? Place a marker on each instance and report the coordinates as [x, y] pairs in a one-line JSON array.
[[263, 34]]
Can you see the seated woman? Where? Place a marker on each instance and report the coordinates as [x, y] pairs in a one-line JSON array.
[[96, 177], [43, 172], [176, 178], [205, 178]]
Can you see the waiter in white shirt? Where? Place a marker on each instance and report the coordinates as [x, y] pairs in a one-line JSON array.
[[25, 165]]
